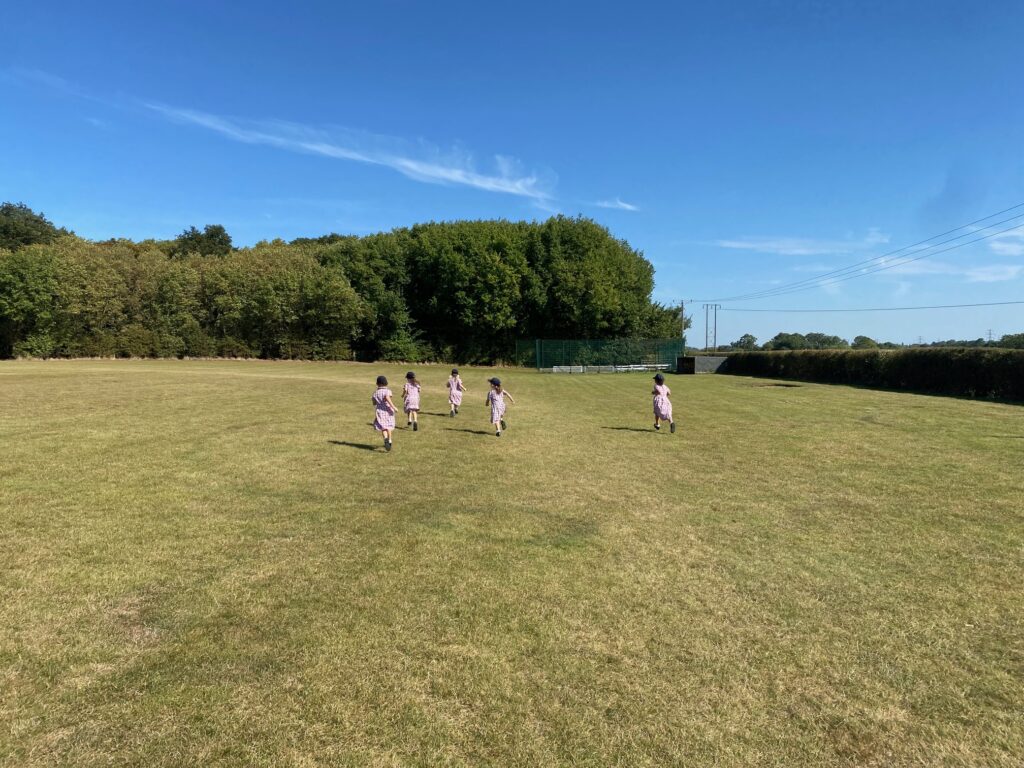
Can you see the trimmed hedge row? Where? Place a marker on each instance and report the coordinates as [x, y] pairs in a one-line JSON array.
[[968, 372]]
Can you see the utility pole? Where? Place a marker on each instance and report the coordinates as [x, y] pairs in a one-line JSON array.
[[716, 307], [989, 335], [706, 308]]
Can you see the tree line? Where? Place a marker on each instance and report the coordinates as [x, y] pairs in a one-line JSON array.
[[796, 341], [460, 291]]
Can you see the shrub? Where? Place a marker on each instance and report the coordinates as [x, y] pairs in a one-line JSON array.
[[968, 372]]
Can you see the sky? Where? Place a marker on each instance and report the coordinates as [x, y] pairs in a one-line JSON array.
[[742, 146]]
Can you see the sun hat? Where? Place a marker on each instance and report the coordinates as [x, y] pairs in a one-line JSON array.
[[659, 378], [410, 375], [382, 381], [495, 381], [455, 371]]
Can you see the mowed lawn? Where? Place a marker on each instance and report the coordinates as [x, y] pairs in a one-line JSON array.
[[213, 563]]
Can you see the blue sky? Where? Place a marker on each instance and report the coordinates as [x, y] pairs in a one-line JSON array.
[[740, 146]]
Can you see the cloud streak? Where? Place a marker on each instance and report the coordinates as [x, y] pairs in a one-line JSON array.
[[432, 167], [983, 273], [617, 204], [804, 246]]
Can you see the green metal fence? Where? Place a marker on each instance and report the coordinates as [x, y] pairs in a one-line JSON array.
[[598, 353]]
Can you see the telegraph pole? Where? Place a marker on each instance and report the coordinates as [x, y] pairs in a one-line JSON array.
[[716, 307], [706, 308]]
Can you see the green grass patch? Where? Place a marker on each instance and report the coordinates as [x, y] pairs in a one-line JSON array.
[[213, 563]]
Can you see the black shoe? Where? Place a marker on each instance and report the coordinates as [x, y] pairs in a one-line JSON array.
[[498, 433], [451, 414], [416, 427], [672, 427], [657, 426], [387, 446], [503, 424], [456, 410]]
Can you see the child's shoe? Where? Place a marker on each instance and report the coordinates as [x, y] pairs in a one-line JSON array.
[[503, 424], [416, 427], [672, 427], [387, 446], [498, 433]]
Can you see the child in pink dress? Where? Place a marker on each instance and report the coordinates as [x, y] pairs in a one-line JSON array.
[[662, 404], [496, 399], [384, 411], [455, 390], [411, 396]]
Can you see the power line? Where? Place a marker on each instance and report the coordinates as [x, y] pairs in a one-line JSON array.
[[876, 309], [817, 280], [884, 267]]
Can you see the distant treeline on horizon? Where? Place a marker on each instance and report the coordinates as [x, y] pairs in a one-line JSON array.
[[455, 291], [798, 341]]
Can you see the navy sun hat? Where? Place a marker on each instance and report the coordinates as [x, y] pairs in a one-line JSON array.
[[410, 375], [455, 371], [382, 381], [659, 378], [495, 381]]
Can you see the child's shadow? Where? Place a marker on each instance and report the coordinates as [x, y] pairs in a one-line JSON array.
[[628, 429], [363, 446], [470, 431]]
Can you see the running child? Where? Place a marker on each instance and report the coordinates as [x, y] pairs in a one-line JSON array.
[[411, 396], [496, 399], [384, 411], [662, 404], [455, 390]]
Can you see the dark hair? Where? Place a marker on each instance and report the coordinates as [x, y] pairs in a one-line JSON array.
[[410, 376], [659, 378], [455, 371], [382, 381]]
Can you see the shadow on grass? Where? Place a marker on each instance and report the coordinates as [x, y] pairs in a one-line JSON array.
[[362, 446], [431, 413], [470, 431], [631, 429]]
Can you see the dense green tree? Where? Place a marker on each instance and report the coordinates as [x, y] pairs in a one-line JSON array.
[[747, 341], [21, 226], [864, 342], [462, 291], [214, 240]]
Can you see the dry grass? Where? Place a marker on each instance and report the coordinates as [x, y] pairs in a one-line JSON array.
[[194, 574]]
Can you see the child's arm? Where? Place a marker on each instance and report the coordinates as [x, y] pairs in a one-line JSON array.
[[510, 398], [390, 403]]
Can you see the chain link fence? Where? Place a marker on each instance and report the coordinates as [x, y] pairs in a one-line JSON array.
[[599, 355]]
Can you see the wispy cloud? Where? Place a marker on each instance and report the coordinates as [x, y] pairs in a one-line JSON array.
[[984, 273], [805, 246], [1009, 243], [427, 164], [617, 204]]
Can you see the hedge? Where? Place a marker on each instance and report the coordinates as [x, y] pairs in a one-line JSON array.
[[965, 372]]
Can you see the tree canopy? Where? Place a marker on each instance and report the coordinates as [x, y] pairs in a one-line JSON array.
[[461, 291], [21, 226]]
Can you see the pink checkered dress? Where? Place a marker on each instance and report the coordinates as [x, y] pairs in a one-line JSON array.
[[384, 416], [455, 390], [411, 393], [662, 405], [497, 401]]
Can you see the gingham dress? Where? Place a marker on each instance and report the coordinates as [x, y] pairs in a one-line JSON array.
[[411, 392], [384, 416], [455, 390], [497, 401], [662, 405]]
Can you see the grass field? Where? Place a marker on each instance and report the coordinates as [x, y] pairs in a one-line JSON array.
[[213, 563]]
